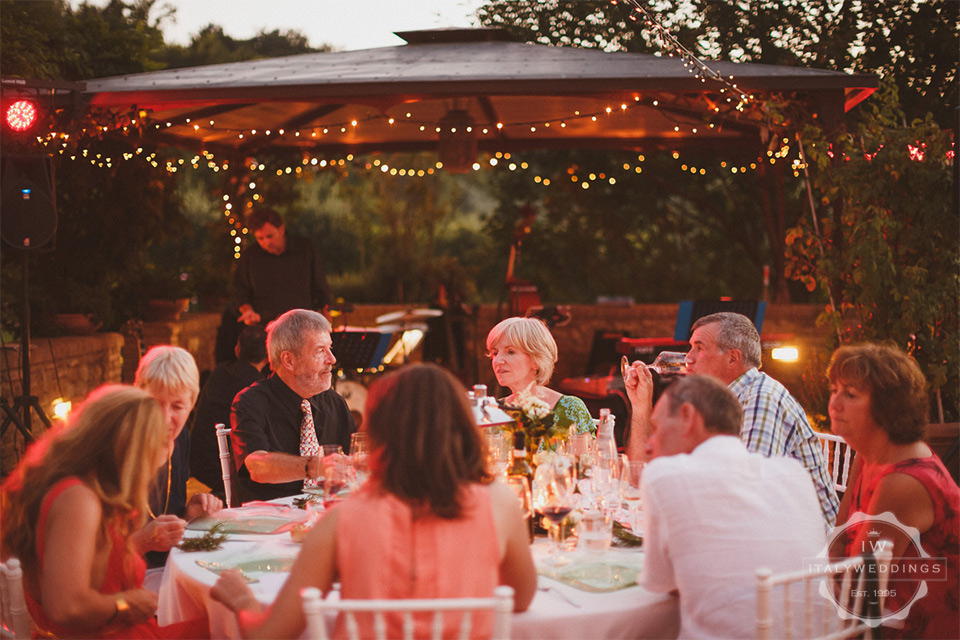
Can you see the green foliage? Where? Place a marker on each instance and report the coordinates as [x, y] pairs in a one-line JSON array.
[[890, 237], [646, 236], [212, 46]]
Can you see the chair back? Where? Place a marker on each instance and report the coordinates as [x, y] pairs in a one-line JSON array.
[[839, 460], [14, 619], [500, 604], [850, 576], [226, 463]]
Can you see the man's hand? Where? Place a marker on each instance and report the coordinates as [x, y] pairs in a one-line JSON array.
[[160, 534], [203, 503], [638, 383], [248, 316]]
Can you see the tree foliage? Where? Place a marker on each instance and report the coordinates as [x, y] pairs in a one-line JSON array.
[[915, 43], [898, 260]]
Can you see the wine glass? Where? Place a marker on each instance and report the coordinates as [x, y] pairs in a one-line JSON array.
[[630, 477], [359, 448], [553, 487], [670, 363], [340, 479]]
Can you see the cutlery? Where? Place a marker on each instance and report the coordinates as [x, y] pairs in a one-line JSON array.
[[561, 594]]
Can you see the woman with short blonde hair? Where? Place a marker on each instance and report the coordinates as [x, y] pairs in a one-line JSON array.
[[522, 352]]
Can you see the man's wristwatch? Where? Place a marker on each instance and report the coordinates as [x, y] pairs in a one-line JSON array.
[[306, 468]]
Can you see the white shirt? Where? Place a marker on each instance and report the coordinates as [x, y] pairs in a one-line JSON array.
[[712, 518]]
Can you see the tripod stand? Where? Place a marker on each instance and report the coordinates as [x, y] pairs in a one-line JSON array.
[[19, 413]]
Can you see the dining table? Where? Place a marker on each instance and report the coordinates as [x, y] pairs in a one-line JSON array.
[[584, 594]]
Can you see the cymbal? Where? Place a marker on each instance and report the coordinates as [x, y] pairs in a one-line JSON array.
[[408, 316]]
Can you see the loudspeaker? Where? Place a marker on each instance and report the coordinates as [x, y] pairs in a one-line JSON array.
[[28, 208]]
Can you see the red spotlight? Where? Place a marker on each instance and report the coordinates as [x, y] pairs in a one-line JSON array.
[[21, 115]]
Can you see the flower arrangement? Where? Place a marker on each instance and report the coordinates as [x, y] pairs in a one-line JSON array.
[[535, 418]]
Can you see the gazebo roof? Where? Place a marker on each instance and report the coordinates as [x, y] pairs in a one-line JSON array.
[[397, 98]]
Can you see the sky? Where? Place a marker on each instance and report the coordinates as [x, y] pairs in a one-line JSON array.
[[343, 24]]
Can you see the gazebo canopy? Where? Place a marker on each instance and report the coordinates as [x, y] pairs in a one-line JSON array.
[[471, 87]]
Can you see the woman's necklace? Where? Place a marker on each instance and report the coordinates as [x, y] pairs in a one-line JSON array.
[[166, 502]]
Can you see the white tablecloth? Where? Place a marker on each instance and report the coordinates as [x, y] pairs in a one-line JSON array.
[[630, 612]]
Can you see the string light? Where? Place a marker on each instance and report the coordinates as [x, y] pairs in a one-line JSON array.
[[670, 45]]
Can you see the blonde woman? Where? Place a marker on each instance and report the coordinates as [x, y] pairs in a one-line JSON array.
[[523, 352], [69, 510]]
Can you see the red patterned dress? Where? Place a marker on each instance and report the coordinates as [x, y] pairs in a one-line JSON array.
[[936, 614]]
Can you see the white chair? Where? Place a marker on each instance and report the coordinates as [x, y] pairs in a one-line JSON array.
[[832, 625], [500, 604], [226, 463], [15, 622], [839, 461]]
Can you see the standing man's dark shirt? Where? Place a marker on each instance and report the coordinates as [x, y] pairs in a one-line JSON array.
[[213, 408], [272, 284], [266, 417]]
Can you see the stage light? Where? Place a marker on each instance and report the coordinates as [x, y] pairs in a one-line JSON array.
[[785, 354], [21, 115]]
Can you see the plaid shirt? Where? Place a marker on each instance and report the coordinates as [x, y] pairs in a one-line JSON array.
[[774, 424]]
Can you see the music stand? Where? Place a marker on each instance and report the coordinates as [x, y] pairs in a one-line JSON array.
[[360, 349]]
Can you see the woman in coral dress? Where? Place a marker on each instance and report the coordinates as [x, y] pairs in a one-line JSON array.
[[428, 523]]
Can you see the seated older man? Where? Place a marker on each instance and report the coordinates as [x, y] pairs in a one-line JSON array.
[[726, 346], [714, 512], [280, 423]]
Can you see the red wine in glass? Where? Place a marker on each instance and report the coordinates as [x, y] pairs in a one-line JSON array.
[[555, 514]]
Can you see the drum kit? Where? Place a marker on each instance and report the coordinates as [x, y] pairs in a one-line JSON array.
[[365, 352]]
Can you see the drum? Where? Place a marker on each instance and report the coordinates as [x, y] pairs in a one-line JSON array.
[[356, 396]]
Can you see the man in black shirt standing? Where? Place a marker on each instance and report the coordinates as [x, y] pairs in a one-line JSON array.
[[278, 273], [279, 424]]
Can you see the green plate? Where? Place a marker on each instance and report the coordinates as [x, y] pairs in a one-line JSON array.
[[594, 577], [256, 524]]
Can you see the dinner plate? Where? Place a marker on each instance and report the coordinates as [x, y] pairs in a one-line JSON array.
[[595, 577], [253, 524], [250, 566]]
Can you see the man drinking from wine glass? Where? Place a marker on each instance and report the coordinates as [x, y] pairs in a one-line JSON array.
[[726, 346], [714, 512]]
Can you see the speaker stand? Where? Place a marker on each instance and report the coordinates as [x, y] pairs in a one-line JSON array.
[[19, 413]]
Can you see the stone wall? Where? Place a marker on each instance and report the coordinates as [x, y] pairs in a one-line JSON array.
[[67, 367]]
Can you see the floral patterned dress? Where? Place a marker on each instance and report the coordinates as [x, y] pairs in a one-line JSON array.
[[571, 410]]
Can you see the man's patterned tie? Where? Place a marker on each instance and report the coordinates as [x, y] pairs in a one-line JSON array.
[[309, 445]]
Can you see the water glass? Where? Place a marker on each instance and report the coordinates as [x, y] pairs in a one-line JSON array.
[[340, 479], [596, 531], [630, 476], [330, 449], [499, 447], [359, 449]]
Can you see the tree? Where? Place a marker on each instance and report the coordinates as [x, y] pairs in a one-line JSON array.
[[95, 190], [899, 252]]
